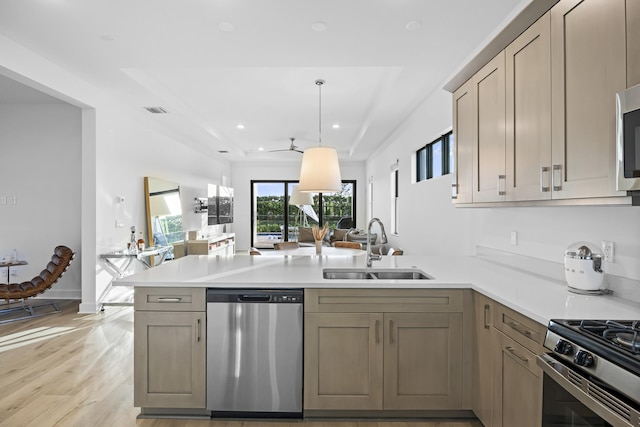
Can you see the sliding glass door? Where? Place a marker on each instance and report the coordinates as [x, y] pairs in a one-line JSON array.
[[274, 219]]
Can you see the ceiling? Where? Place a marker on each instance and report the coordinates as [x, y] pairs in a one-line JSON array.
[[215, 64]]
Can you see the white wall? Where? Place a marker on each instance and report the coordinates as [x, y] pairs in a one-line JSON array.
[[119, 146], [243, 173], [41, 168], [129, 149], [430, 224]]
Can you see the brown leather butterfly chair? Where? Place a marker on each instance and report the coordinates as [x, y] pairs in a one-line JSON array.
[[62, 257]]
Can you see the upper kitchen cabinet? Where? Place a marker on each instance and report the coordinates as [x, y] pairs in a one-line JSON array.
[[538, 120], [464, 124], [528, 114], [489, 149], [633, 47], [588, 67]]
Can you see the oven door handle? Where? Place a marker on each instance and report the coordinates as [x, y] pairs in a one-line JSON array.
[[558, 372]]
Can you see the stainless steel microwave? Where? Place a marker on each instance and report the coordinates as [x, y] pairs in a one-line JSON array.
[[628, 139]]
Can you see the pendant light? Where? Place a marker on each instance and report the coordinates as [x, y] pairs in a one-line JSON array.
[[320, 170]]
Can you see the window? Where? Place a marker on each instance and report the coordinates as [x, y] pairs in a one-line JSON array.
[[275, 221], [394, 198], [435, 159]]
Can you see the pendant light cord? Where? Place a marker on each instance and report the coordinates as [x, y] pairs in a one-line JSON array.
[[319, 83]]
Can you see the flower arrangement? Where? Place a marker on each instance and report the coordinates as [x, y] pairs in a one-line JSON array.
[[319, 233]]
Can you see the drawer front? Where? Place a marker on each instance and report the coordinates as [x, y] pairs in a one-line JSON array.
[[520, 328], [170, 299], [382, 300], [516, 352]]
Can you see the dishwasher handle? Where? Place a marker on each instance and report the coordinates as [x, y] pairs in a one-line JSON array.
[[254, 298]]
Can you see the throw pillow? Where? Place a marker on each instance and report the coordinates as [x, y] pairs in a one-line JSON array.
[[305, 234], [339, 234]]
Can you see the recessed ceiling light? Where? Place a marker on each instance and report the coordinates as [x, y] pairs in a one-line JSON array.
[[227, 27], [319, 26], [240, 126], [260, 148], [336, 125], [413, 25]]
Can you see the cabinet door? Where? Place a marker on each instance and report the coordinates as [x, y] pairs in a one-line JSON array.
[[528, 109], [482, 360], [588, 68], [489, 181], [343, 361], [423, 361], [169, 359], [517, 389], [633, 47], [464, 125]]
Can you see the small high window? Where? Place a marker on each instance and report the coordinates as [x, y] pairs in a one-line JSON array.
[[435, 159]]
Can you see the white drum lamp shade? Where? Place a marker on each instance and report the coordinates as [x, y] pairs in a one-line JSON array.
[[300, 199], [320, 171]]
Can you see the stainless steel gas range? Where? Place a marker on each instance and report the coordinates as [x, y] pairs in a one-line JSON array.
[[592, 374]]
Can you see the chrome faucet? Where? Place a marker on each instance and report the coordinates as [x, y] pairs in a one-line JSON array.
[[383, 239]]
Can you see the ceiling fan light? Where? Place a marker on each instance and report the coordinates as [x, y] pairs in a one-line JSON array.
[[320, 171]]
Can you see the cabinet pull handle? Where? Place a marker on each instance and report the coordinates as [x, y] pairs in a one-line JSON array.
[[554, 181], [390, 331], [543, 170], [454, 191], [513, 351], [197, 330], [377, 331], [524, 332], [165, 299], [487, 313], [502, 178]]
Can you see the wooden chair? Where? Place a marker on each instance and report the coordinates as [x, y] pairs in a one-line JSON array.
[[394, 252], [254, 251], [285, 245], [349, 245], [60, 260]]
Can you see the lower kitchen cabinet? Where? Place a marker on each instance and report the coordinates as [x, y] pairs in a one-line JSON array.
[[517, 392], [343, 361], [169, 349], [482, 380], [422, 360], [383, 360], [515, 386]]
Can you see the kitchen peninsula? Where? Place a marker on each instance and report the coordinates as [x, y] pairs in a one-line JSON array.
[[452, 310]]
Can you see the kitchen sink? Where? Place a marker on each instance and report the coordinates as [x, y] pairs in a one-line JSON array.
[[375, 274]]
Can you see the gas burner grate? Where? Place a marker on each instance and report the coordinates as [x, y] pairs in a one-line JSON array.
[[622, 334]]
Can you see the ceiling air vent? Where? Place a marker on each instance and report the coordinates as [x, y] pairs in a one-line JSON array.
[[223, 151], [156, 110]]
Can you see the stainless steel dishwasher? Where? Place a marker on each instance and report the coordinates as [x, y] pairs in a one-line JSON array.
[[254, 352]]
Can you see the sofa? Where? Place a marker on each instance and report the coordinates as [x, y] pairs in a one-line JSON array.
[[305, 237]]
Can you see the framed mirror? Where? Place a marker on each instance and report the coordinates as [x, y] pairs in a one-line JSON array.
[[164, 212]]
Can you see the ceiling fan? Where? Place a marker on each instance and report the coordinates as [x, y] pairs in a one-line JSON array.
[[292, 147]]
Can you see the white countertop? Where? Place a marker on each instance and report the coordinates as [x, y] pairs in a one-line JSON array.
[[537, 297]]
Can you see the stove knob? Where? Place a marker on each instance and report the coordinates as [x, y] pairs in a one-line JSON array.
[[563, 347], [583, 358]]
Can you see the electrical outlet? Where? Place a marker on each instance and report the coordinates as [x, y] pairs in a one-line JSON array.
[[119, 224], [514, 238], [3, 200], [608, 249]]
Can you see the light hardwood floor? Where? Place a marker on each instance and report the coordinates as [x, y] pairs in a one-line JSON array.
[[73, 369]]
